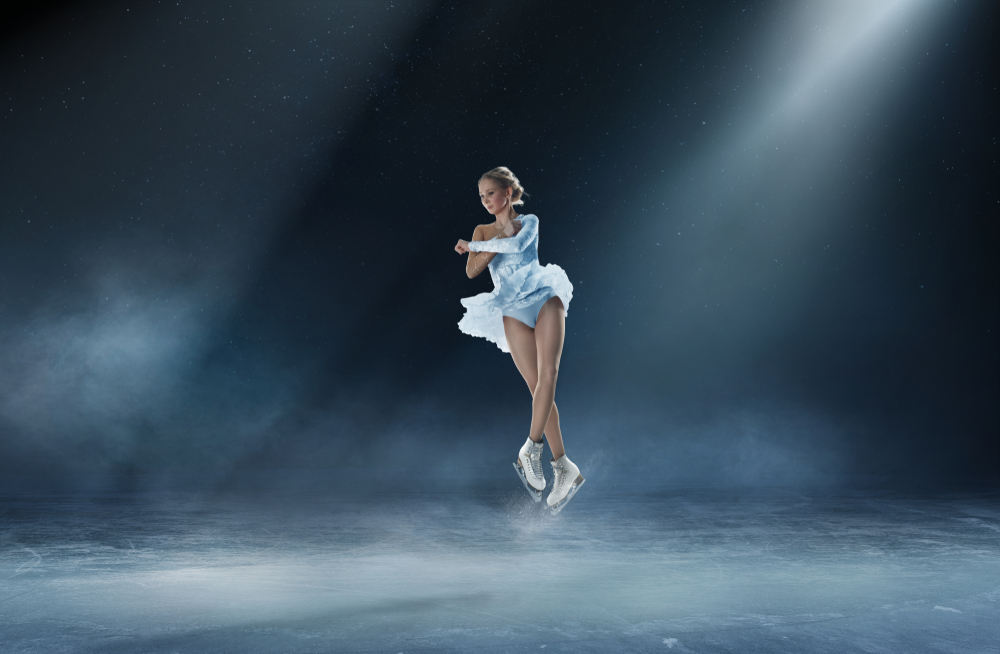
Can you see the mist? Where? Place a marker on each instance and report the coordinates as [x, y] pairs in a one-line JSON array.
[[227, 233]]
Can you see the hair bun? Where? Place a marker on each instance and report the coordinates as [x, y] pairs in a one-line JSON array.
[[506, 179]]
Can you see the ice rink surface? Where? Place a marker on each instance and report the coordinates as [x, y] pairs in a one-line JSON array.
[[420, 568]]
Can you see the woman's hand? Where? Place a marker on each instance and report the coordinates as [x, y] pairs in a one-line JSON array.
[[462, 247]]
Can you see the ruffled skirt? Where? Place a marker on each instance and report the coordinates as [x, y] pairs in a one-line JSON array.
[[484, 312]]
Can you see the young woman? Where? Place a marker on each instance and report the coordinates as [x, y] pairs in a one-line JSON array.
[[526, 316]]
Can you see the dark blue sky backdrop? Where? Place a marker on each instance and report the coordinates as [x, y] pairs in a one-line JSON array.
[[227, 232]]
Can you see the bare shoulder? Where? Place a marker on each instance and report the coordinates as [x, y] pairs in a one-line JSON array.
[[477, 235]]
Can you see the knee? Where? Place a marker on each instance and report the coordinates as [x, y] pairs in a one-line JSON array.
[[547, 375], [532, 385]]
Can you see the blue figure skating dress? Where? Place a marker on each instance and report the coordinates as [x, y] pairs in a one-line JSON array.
[[521, 285]]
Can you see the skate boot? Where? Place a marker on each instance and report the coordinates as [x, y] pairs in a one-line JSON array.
[[568, 480], [529, 468]]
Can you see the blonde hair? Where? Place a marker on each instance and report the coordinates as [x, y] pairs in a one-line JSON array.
[[505, 179]]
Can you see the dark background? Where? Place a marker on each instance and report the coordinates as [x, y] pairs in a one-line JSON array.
[[227, 230]]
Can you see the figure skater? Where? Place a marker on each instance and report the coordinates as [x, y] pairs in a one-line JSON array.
[[526, 316]]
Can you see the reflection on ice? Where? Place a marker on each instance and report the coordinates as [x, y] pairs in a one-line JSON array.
[[436, 569]]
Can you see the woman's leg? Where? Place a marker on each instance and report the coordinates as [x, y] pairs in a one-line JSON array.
[[521, 341], [550, 331]]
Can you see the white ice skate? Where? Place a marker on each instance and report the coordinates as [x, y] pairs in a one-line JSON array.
[[529, 468], [568, 480]]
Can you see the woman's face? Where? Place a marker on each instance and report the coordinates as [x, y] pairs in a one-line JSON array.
[[493, 197]]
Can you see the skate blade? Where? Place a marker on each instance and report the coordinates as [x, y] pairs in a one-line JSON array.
[[558, 506], [535, 493]]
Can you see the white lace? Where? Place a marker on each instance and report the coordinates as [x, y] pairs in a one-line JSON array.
[[558, 482], [535, 461]]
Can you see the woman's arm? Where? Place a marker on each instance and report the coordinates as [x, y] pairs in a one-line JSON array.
[[477, 261], [517, 243]]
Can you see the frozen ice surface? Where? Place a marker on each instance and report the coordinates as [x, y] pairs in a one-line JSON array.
[[460, 570]]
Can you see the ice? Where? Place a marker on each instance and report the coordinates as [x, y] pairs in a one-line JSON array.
[[430, 568]]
